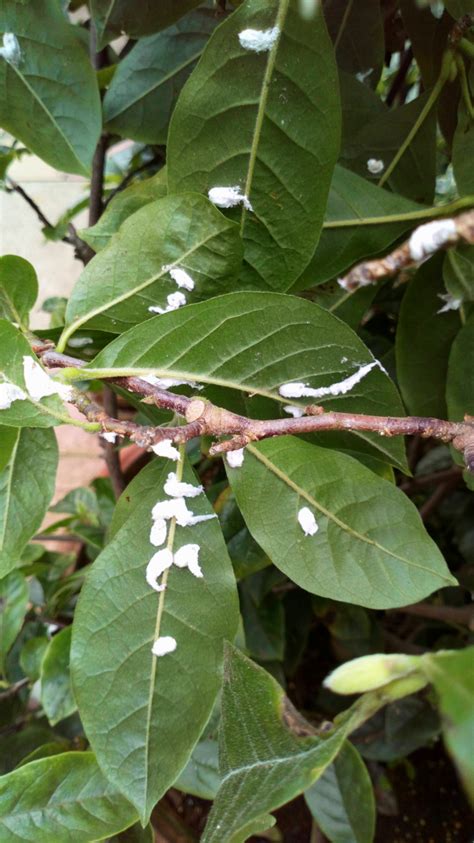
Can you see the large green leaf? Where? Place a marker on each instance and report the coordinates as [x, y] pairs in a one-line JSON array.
[[119, 285], [49, 98], [463, 145], [56, 692], [114, 17], [264, 759], [452, 675], [423, 342], [460, 384], [254, 342], [13, 605], [143, 92], [342, 800], [65, 799], [23, 412], [270, 125], [18, 289], [142, 714], [370, 547], [26, 488], [361, 220], [123, 205]]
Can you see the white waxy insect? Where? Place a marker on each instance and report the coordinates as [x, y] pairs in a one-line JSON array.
[[165, 448], [163, 645], [109, 436], [11, 49], [300, 390], [307, 521], [229, 197], [375, 166], [187, 557], [175, 301], [158, 532], [158, 564], [235, 459], [450, 303], [9, 393], [80, 342], [179, 276], [176, 488], [39, 384], [428, 238], [259, 40], [294, 411], [168, 383]]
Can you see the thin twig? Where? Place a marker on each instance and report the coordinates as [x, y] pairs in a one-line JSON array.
[[458, 615], [204, 418], [13, 689], [111, 454], [399, 80], [425, 241], [157, 159]]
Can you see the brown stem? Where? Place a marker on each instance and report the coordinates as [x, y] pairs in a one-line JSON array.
[[205, 418], [111, 454], [369, 272], [459, 615]]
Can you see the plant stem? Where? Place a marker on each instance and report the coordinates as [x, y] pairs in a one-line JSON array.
[[442, 79], [428, 213]]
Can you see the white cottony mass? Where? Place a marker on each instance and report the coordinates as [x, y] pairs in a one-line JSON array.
[[163, 645], [179, 276], [375, 166], [259, 40], [9, 393], [307, 521], [176, 489], [187, 557], [39, 384], [158, 532], [11, 49], [235, 458], [301, 390], [158, 564], [430, 237], [229, 197], [165, 448]]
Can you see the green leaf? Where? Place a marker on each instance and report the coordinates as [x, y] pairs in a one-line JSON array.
[[143, 92], [460, 385], [114, 17], [370, 547], [123, 205], [31, 656], [272, 126], [463, 145], [342, 800], [27, 412], [13, 606], [56, 692], [118, 286], [453, 679], [362, 220], [423, 342], [49, 97], [264, 624], [135, 834], [263, 758], [358, 34], [64, 798], [398, 730], [26, 488], [155, 709], [458, 272], [201, 777], [254, 342], [18, 289]]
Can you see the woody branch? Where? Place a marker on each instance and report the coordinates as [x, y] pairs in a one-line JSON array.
[[424, 242], [204, 418]]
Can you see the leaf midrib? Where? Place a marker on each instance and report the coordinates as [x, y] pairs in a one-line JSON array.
[[264, 91], [282, 475]]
